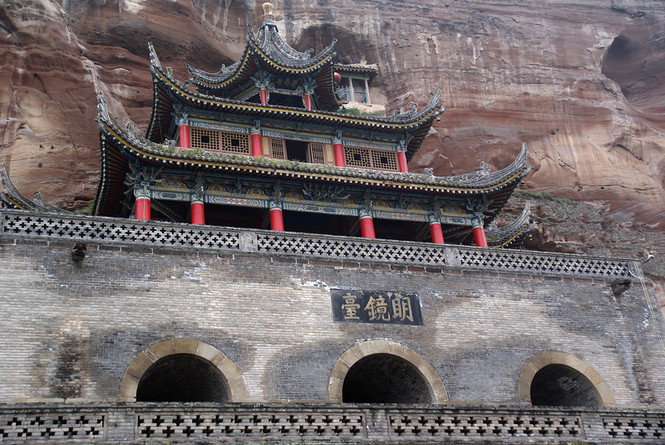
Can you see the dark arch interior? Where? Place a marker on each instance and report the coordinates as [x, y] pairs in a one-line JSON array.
[[635, 62], [558, 385], [182, 378], [350, 47], [384, 378]]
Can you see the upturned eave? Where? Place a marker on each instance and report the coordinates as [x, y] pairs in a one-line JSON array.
[[272, 53], [414, 123], [469, 184]]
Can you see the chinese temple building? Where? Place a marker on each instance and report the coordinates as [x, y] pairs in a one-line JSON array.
[[261, 267], [262, 143]]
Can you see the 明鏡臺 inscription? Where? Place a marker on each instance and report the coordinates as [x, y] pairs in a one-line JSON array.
[[375, 307]]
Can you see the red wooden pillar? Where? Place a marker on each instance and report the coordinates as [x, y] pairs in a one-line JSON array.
[[401, 161], [436, 231], [263, 95], [479, 235], [256, 147], [338, 150], [197, 199], [276, 217], [198, 213], [308, 86], [366, 224], [183, 131], [143, 209], [142, 205]]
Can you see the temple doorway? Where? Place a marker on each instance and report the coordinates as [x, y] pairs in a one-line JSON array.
[[385, 378], [560, 385], [182, 378]]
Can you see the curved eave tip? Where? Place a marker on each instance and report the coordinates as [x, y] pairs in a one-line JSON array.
[[154, 59], [102, 111]]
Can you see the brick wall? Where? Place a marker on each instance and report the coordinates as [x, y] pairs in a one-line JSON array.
[[72, 330]]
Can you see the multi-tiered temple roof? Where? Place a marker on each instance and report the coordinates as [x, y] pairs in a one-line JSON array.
[[267, 134], [266, 52]]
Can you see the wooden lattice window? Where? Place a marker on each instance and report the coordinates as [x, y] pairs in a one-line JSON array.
[[277, 148], [316, 153], [357, 157], [368, 158], [226, 141], [203, 138], [234, 142], [385, 160]]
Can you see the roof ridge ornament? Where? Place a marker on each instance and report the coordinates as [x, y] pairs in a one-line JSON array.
[[154, 59], [268, 9], [102, 110]]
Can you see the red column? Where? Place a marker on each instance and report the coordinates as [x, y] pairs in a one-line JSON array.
[[367, 227], [338, 149], [183, 136], [142, 204], [183, 131], [308, 101], [263, 95], [143, 209], [198, 213], [276, 218], [479, 236], [401, 161], [437, 233], [257, 149]]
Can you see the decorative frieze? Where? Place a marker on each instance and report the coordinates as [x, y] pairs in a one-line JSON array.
[[312, 207], [219, 127], [102, 230], [296, 136], [361, 143], [348, 423], [401, 216], [236, 201], [56, 427]]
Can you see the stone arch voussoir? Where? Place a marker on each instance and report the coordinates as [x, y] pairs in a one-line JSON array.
[[539, 361], [146, 358], [354, 354]]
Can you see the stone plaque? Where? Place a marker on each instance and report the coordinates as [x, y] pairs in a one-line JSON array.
[[375, 307]]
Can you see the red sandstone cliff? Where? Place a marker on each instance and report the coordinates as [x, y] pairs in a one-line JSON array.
[[582, 83]]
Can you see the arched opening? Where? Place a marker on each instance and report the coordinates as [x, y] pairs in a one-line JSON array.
[[385, 378], [182, 378], [384, 364], [559, 385], [168, 366], [554, 378]]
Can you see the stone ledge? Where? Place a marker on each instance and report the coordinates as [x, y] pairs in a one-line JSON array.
[[325, 423], [163, 237]]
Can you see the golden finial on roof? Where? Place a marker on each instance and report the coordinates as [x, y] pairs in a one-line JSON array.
[[268, 11]]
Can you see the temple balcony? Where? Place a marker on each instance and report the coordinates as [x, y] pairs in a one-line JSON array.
[[113, 233], [355, 90], [317, 422]]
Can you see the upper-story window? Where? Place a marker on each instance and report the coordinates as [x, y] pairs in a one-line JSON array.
[[370, 158], [355, 90], [215, 140], [310, 152]]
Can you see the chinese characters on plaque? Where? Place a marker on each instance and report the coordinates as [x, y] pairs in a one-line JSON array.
[[375, 307]]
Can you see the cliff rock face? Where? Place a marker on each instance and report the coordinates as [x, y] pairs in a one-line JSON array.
[[581, 83]]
